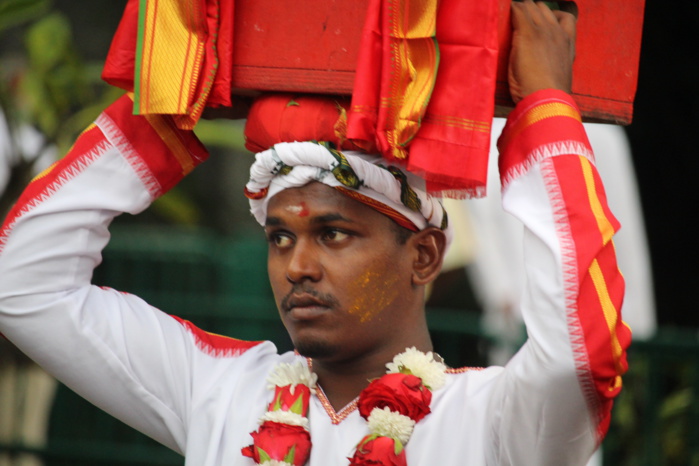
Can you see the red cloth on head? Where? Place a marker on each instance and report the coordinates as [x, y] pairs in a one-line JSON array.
[[275, 118]]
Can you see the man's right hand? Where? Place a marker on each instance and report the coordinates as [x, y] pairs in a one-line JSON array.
[[543, 49]]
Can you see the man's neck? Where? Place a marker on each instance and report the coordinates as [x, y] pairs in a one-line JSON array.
[[343, 382]]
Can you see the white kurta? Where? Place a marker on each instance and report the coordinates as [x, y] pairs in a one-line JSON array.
[[202, 395]]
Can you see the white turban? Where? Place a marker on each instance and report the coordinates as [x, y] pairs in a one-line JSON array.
[[295, 164]]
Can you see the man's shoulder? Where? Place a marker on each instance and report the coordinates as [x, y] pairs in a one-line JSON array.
[[472, 378]]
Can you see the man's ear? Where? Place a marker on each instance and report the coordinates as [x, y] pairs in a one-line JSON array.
[[430, 245]]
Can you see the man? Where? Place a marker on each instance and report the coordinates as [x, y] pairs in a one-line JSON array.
[[349, 283]]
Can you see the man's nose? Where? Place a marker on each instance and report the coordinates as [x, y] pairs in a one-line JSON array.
[[304, 263]]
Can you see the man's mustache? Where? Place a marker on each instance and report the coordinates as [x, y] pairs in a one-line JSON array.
[[301, 292]]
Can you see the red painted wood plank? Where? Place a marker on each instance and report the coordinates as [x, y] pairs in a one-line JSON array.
[[312, 47]]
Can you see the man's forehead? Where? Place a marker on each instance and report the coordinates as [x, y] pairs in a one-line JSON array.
[[319, 219], [317, 201], [309, 188], [313, 194]]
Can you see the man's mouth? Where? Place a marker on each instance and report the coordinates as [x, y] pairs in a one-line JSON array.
[[306, 304]]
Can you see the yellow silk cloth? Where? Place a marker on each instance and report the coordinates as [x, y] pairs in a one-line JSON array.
[[175, 55]]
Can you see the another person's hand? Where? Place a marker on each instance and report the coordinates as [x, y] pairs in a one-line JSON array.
[[543, 49]]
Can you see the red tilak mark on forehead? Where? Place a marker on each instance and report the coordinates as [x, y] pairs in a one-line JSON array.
[[301, 210]]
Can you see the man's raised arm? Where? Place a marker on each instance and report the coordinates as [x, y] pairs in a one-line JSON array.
[[110, 347], [553, 403]]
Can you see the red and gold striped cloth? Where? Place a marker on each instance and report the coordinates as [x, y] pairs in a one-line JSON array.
[[175, 56], [424, 89], [601, 286], [423, 93]]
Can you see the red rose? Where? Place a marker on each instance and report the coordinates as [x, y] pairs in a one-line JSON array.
[[380, 450], [402, 393], [276, 440], [284, 399]]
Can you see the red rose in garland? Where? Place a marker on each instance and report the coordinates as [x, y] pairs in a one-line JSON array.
[[378, 451], [394, 403], [281, 442], [391, 405], [287, 399], [283, 435], [402, 393]]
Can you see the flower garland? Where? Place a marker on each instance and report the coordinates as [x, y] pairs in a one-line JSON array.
[[394, 403], [283, 438], [391, 404]]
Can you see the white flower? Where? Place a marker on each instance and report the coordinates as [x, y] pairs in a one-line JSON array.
[[387, 423], [285, 417], [424, 366], [285, 374], [276, 463]]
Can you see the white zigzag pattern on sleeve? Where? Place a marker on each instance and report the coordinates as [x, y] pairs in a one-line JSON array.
[[571, 285], [64, 176], [544, 152], [132, 156]]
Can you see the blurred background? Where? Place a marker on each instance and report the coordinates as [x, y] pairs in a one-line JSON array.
[[198, 254]]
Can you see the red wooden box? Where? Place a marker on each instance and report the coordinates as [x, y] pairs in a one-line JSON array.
[[312, 46]]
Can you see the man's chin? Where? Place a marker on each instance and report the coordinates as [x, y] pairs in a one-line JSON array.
[[315, 349]]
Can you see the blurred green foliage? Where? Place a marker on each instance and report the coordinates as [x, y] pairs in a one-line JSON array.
[[44, 85], [17, 12], [655, 421]]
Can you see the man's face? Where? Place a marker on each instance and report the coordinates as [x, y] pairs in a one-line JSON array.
[[340, 279]]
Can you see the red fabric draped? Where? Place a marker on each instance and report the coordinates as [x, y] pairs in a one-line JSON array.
[[450, 149], [423, 92]]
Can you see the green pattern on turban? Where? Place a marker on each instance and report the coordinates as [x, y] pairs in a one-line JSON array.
[[285, 169], [445, 220], [407, 195], [343, 172]]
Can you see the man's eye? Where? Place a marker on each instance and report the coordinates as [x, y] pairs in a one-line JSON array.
[[333, 234], [280, 240]]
